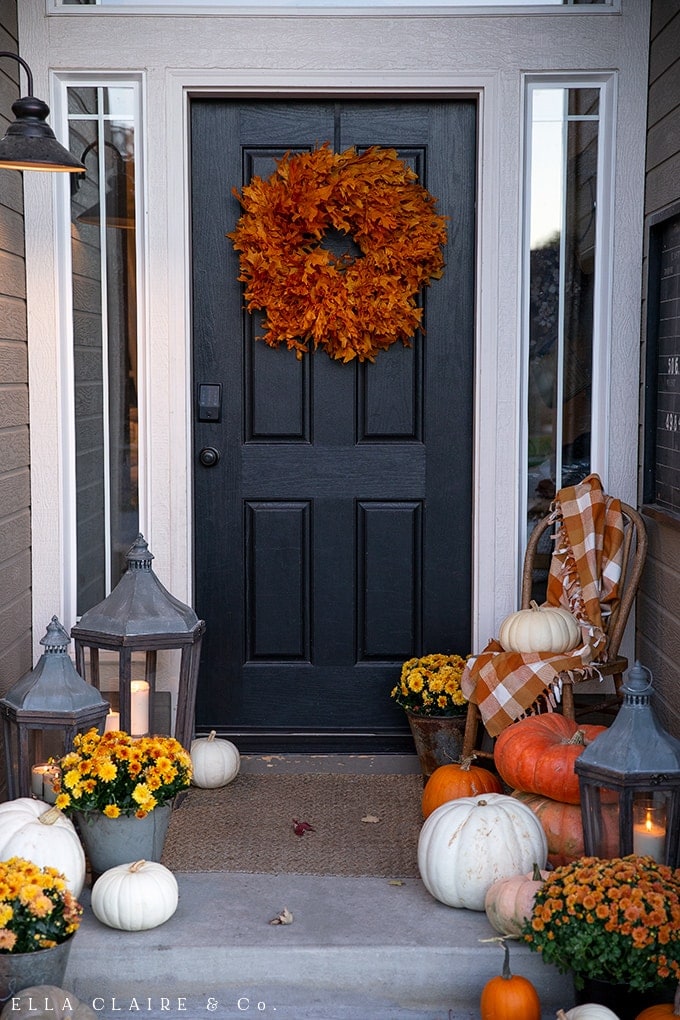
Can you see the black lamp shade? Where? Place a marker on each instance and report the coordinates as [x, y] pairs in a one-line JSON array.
[[30, 143]]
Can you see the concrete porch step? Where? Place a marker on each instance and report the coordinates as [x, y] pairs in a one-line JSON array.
[[357, 948]]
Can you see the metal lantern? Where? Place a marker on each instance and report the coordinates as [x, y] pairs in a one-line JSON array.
[[52, 698], [630, 781], [140, 618]]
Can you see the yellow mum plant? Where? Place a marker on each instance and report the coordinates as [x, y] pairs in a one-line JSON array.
[[118, 774], [610, 920], [37, 909], [431, 685]]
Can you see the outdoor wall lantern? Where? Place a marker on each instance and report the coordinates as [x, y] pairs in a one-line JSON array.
[[140, 618], [49, 705], [630, 781], [119, 200], [30, 143]]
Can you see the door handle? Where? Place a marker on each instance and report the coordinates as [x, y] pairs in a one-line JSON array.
[[209, 456]]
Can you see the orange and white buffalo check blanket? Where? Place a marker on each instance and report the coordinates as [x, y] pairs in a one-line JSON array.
[[585, 572]]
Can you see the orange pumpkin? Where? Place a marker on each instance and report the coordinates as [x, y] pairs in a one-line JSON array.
[[537, 755], [459, 779], [509, 996], [563, 826], [658, 1012]]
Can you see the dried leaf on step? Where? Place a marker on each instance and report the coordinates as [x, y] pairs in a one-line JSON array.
[[370, 818], [299, 828], [395, 881], [285, 917]]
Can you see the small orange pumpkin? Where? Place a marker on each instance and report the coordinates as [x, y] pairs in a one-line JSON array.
[[662, 1010], [459, 779], [509, 996]]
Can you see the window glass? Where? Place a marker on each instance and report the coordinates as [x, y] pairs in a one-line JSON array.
[[563, 128], [103, 242]]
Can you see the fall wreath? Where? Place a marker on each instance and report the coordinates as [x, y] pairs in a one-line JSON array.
[[350, 306]]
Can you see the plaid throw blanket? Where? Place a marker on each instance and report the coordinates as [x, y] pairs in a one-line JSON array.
[[585, 572]]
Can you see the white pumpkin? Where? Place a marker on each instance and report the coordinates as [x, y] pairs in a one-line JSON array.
[[468, 844], [587, 1011], [215, 762], [540, 629], [134, 897], [42, 834]]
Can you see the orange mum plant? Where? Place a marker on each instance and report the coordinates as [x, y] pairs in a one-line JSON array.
[[37, 910], [119, 774], [350, 306], [610, 920]]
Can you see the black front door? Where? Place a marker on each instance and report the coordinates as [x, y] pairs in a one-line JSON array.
[[333, 534]]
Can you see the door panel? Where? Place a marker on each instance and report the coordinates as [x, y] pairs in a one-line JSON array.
[[333, 536]]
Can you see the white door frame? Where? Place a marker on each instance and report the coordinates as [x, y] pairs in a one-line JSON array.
[[490, 58]]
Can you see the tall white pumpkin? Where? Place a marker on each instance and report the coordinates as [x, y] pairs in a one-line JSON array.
[[468, 844]]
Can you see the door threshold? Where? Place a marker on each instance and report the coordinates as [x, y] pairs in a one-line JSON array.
[[330, 764]]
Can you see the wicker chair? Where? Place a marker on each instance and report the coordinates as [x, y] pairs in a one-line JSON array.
[[611, 663]]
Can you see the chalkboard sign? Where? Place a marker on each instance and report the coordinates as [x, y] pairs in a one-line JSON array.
[[662, 446]]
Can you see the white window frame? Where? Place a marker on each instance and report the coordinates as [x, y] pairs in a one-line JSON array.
[[335, 8], [134, 80], [606, 83]]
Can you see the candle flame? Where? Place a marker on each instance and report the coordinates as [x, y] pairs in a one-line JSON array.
[[648, 820]]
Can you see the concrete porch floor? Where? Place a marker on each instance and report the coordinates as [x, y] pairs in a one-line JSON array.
[[360, 948]]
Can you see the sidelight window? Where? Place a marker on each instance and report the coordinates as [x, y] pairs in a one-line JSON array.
[[104, 135], [564, 259]]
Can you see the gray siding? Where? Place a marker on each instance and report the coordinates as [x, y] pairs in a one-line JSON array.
[[658, 609], [15, 523]]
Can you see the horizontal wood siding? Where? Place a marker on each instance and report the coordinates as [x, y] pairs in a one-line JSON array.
[[15, 489], [658, 610]]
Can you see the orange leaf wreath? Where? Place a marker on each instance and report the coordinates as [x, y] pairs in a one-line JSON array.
[[351, 307]]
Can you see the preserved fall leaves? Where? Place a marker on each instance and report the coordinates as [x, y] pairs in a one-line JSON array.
[[352, 307]]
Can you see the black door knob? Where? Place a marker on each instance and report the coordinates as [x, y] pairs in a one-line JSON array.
[[209, 456]]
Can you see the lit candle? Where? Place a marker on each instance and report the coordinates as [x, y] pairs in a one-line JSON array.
[[50, 776], [112, 722], [649, 839], [37, 773], [139, 708]]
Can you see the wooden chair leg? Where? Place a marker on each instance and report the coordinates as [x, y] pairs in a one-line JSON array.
[[568, 708], [471, 735]]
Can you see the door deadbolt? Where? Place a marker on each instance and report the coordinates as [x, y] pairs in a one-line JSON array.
[[209, 456]]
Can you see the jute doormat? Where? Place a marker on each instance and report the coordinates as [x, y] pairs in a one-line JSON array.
[[361, 825]]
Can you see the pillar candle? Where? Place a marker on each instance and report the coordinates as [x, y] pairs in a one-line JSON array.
[[112, 722], [649, 840], [139, 710]]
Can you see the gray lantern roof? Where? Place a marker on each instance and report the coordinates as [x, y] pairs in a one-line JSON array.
[[53, 687], [138, 606], [635, 745]]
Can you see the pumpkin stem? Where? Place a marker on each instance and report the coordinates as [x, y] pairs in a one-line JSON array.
[[561, 1015], [50, 816], [466, 762], [137, 866], [506, 975], [578, 738], [212, 735], [536, 875], [535, 606]]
